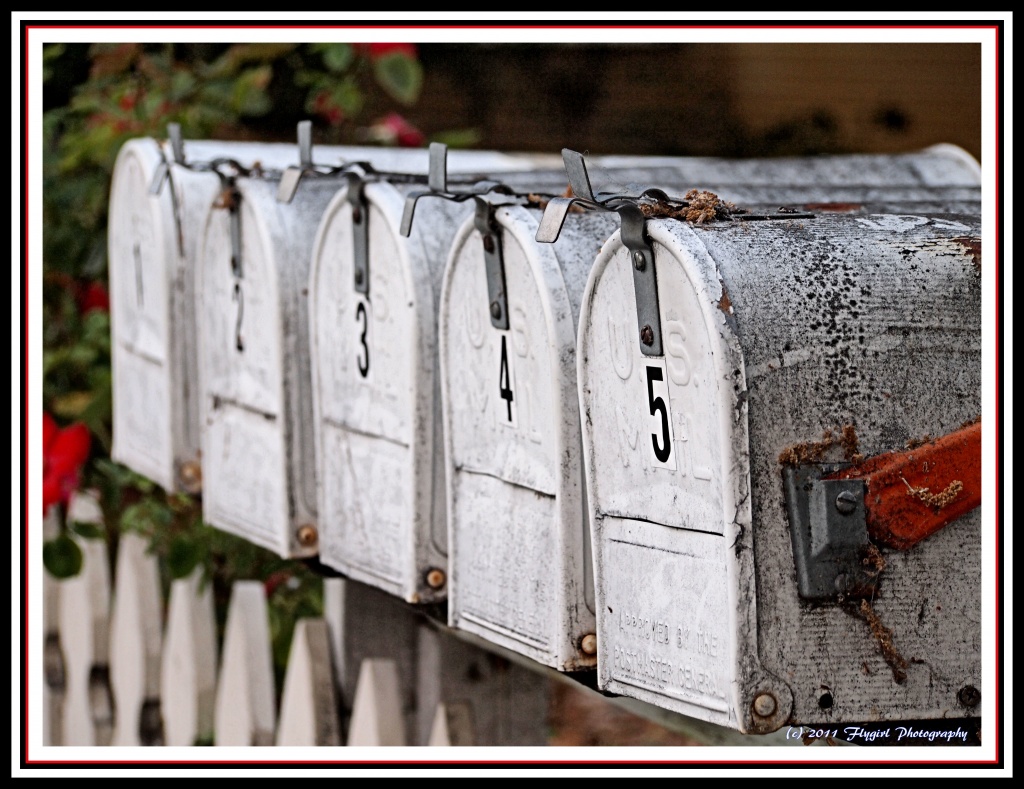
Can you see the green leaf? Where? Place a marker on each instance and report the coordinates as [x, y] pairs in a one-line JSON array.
[[90, 531], [458, 138], [62, 557], [249, 96], [336, 57], [183, 555], [400, 76]]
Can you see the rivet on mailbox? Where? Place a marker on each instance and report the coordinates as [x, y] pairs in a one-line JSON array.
[[709, 601]]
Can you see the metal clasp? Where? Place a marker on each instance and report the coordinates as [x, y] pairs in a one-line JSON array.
[[483, 221], [633, 235]]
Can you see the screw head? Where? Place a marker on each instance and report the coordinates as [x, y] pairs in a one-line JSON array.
[[765, 705], [647, 335], [359, 276], [495, 310], [357, 215], [588, 644], [969, 696], [846, 502], [435, 578], [306, 535], [488, 243], [638, 260], [191, 476]]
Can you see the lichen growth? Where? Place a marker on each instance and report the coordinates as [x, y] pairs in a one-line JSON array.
[[936, 500]]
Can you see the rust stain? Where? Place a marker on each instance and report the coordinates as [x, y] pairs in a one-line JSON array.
[[972, 246], [883, 635], [835, 208], [724, 303], [814, 451], [228, 199]]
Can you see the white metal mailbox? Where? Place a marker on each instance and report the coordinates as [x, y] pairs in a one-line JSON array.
[[519, 553], [713, 358], [376, 402], [519, 550], [259, 478], [155, 428], [158, 204]]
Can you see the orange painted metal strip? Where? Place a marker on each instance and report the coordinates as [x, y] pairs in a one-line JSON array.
[[914, 493]]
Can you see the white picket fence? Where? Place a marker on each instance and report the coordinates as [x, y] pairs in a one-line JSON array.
[[123, 668], [123, 671]]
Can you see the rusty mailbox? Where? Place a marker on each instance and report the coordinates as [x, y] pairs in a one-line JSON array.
[[519, 549], [373, 326], [760, 403]]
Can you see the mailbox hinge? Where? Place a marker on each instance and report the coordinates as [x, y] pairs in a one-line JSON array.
[[828, 528], [633, 235]]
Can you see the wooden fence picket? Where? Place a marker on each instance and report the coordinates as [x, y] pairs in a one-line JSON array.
[[367, 623], [377, 717], [136, 630], [189, 663], [309, 701], [85, 635], [453, 725], [502, 702], [53, 653], [244, 711]]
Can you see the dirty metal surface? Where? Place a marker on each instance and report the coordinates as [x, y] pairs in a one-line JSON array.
[[259, 476], [376, 386], [791, 329], [375, 383], [518, 553], [154, 428]]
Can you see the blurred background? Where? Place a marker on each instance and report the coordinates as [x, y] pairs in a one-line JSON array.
[[727, 100]]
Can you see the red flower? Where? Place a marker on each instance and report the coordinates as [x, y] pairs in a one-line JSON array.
[[64, 453], [377, 51], [93, 296], [274, 580], [324, 105], [397, 130]]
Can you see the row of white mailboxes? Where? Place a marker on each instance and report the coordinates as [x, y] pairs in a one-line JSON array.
[[603, 451]]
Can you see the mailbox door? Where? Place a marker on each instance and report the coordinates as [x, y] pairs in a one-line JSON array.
[[244, 454], [142, 262], [516, 520], [374, 377], [665, 447]]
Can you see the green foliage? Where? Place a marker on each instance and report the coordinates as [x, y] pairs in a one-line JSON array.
[[400, 76], [62, 557], [220, 91]]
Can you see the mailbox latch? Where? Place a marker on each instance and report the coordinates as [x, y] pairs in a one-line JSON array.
[[490, 235]]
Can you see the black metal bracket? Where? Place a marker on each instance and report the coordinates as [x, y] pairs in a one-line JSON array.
[[483, 220], [634, 238], [829, 534], [360, 232]]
